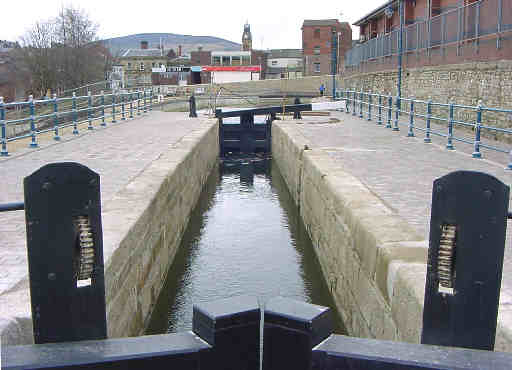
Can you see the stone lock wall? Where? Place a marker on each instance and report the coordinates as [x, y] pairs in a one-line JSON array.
[[146, 221], [373, 261]]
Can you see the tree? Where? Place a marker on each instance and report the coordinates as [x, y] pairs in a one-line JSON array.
[[63, 53]]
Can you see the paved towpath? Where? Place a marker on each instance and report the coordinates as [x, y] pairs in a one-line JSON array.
[[401, 170], [118, 153]]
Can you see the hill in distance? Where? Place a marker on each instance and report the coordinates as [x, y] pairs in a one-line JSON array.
[[169, 41]]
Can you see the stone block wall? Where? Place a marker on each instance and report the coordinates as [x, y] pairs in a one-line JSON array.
[[462, 84], [146, 221], [374, 262]]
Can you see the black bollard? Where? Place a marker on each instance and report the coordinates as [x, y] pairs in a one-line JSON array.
[[296, 114], [192, 105]]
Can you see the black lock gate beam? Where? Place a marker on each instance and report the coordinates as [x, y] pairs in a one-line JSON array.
[[65, 253], [465, 260]]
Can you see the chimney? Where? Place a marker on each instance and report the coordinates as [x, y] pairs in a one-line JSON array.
[[143, 44], [179, 50], [199, 48]]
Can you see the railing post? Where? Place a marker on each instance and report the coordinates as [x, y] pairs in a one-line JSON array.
[[354, 103], [379, 122], [145, 102], [33, 142], [56, 118], [151, 99], [123, 117], [347, 104], [449, 145], [131, 105], [397, 115], [4, 152], [103, 108], [114, 108], [478, 128], [89, 113], [361, 104], [342, 98], [369, 106], [429, 117], [390, 111], [74, 114], [138, 103], [411, 119]]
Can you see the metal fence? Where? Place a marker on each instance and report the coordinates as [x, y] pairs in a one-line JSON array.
[[20, 120], [421, 115], [460, 28]]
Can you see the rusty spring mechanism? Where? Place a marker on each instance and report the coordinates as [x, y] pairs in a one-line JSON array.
[[446, 256], [86, 248]]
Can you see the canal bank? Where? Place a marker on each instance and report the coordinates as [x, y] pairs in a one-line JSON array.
[[365, 232]]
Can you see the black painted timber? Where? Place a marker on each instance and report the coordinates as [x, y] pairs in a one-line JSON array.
[[343, 352], [7, 207], [232, 327], [219, 113], [184, 351], [292, 329]]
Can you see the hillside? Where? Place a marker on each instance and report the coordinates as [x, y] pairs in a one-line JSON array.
[[170, 41]]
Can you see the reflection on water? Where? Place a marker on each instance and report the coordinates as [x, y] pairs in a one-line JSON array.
[[245, 236]]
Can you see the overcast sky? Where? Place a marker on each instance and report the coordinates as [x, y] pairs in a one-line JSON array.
[[274, 24]]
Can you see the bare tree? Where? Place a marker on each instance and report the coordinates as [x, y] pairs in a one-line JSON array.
[[63, 53]]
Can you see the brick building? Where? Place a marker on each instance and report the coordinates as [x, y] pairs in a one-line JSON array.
[[436, 32], [317, 36]]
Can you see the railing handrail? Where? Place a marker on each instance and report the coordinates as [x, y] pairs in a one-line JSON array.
[[387, 105]]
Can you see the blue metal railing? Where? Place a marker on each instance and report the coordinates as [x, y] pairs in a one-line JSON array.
[[420, 117], [46, 115]]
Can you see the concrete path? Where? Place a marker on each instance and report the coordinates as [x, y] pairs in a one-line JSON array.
[[118, 153], [399, 169]]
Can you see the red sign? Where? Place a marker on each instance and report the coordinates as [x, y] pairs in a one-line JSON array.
[[231, 68]]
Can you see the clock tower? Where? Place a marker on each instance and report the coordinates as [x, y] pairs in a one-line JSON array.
[[247, 38]]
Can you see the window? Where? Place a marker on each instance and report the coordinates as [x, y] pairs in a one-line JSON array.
[[142, 66], [316, 34], [216, 61], [235, 60], [226, 61], [246, 60], [153, 65], [129, 65], [316, 51], [316, 68], [274, 62]]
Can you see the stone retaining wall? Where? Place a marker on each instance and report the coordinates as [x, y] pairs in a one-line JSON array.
[[463, 84], [372, 260]]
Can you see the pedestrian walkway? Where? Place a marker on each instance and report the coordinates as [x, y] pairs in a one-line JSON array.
[[118, 153], [399, 169]]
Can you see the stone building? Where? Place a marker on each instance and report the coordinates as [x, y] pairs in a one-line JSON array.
[[138, 63], [284, 63], [317, 37]]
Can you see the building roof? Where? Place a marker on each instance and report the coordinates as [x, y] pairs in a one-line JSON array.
[[375, 13], [284, 53], [324, 22], [130, 53]]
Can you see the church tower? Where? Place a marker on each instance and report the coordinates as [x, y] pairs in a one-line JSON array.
[[247, 38]]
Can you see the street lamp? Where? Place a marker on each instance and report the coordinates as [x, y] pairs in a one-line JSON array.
[[401, 9]]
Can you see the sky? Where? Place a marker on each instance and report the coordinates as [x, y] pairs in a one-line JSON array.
[[274, 24]]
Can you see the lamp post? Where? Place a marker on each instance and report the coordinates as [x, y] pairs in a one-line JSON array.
[[334, 61], [401, 9]]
